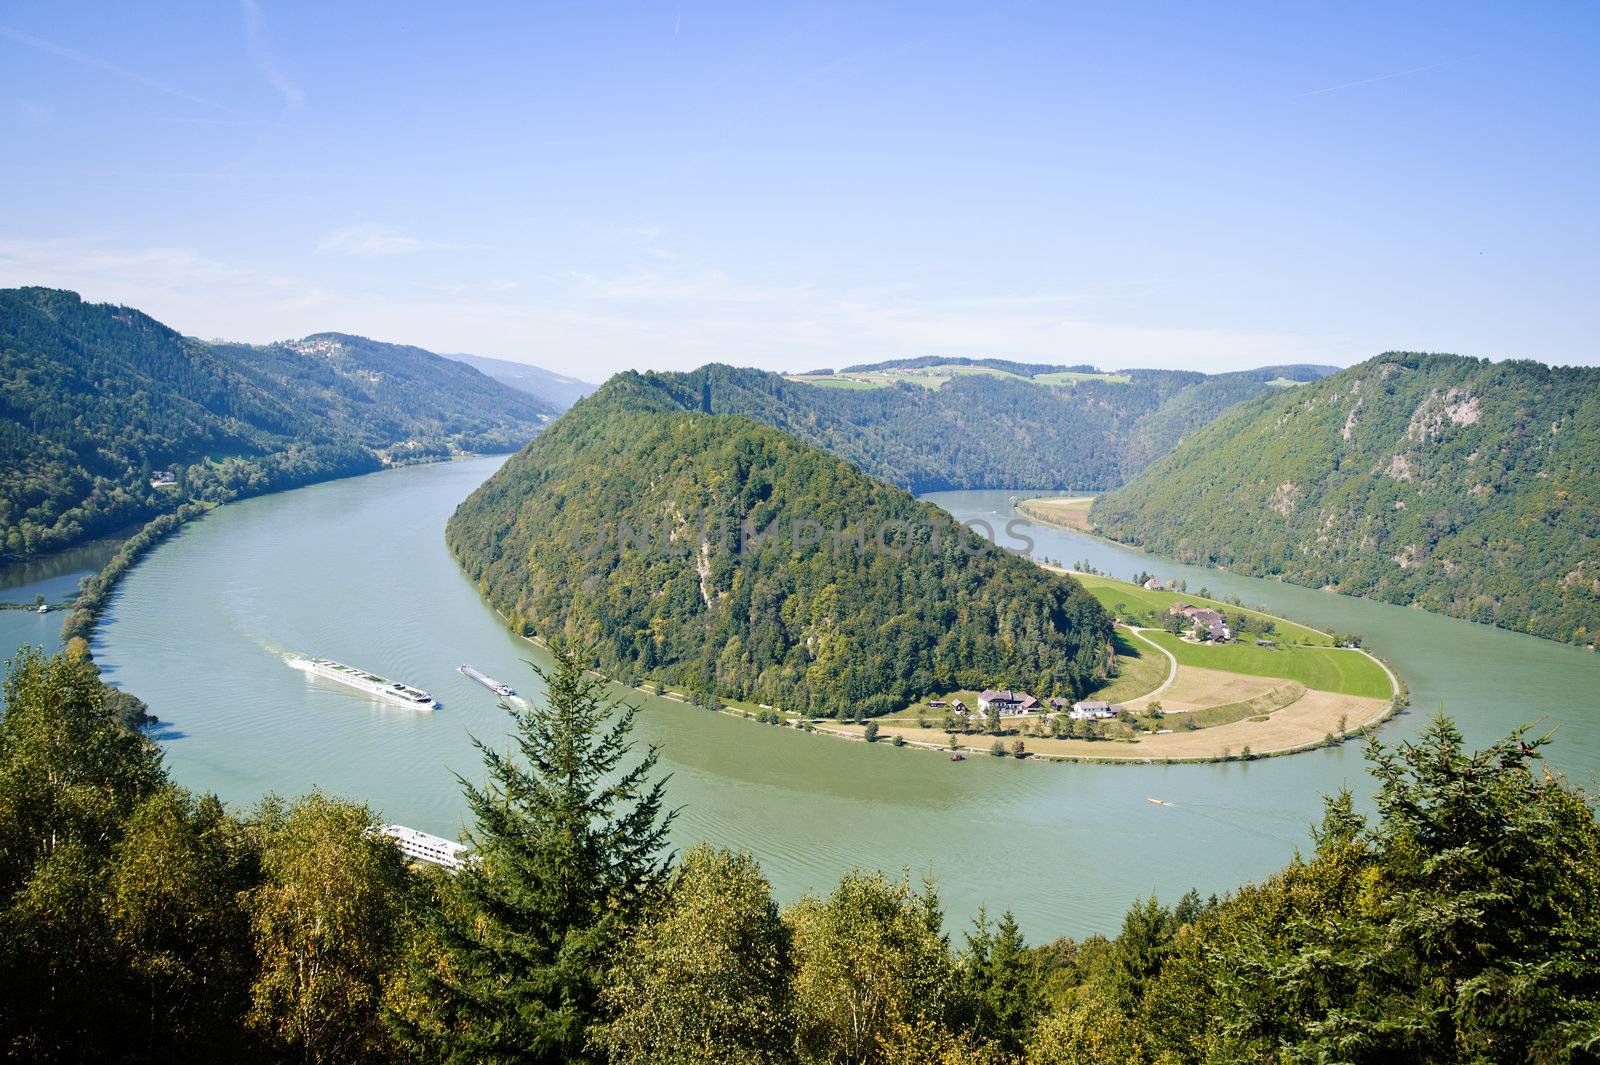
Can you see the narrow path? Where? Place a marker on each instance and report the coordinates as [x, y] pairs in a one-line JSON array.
[[1172, 674]]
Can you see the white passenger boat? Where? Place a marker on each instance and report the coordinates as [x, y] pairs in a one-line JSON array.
[[372, 684], [426, 847]]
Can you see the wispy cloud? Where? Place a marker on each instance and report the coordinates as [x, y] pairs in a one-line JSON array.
[[171, 282], [96, 63], [592, 325], [369, 242], [1369, 81], [259, 42]]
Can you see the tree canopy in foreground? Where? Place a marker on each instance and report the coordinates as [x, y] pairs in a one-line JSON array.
[[1459, 924]]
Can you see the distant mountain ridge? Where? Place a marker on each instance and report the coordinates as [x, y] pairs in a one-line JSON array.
[[556, 390], [96, 399], [1459, 485], [1021, 369], [979, 430], [678, 545]]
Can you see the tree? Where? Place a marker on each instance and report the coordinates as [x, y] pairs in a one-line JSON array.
[[871, 732], [1140, 950], [870, 957], [1019, 749], [1001, 974], [69, 775], [172, 895], [1457, 928], [325, 925], [706, 977], [1090, 1031], [567, 847]]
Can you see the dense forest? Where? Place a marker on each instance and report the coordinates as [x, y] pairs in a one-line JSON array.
[[95, 400], [1458, 485], [723, 556], [980, 430], [143, 923]]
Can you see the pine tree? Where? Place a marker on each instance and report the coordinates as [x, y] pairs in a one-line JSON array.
[[1001, 975], [568, 844]]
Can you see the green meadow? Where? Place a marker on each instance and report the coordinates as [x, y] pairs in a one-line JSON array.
[[1329, 669]]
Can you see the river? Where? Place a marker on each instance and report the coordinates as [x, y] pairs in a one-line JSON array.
[[357, 570], [56, 577]]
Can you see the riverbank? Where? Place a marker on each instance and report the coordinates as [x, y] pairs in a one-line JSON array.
[[1064, 512], [1071, 514], [328, 569], [1191, 713], [95, 593]]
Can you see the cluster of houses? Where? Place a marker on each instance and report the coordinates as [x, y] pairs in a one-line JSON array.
[[1012, 704], [1208, 623]]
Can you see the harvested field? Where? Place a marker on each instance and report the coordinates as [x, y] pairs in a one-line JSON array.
[[1304, 722], [1069, 513], [1197, 689]]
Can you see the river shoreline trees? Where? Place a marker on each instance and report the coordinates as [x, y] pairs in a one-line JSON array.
[[144, 924], [98, 401], [1458, 485]]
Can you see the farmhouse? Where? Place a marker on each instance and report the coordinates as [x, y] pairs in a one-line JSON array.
[[1093, 711], [1152, 585], [1207, 622], [1006, 702]]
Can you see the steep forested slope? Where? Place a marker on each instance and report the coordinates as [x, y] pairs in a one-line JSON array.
[[977, 431], [96, 398], [700, 549], [387, 394], [1159, 431], [1458, 485]]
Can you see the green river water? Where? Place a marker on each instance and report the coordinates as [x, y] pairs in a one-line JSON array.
[[357, 570]]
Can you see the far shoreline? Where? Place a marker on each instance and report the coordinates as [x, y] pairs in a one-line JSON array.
[[1092, 533]]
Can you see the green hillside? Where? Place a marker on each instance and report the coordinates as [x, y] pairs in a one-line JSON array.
[[734, 592], [1454, 484], [95, 399]]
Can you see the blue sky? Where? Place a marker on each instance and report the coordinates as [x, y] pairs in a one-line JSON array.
[[595, 186]]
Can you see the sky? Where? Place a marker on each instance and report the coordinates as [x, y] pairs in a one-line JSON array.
[[595, 186]]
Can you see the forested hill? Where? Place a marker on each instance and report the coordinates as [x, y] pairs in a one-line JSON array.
[[980, 430], [96, 399], [1458, 485], [681, 545]]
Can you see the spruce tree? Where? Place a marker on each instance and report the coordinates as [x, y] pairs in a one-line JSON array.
[[568, 844]]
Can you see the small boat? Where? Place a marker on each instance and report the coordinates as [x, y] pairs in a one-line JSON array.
[[44, 609], [1158, 802], [958, 757], [505, 691]]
